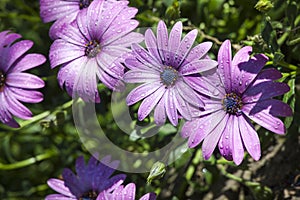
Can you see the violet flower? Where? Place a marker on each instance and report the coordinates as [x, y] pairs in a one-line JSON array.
[[91, 180], [244, 93], [17, 86], [125, 193], [163, 69], [89, 48], [61, 11]]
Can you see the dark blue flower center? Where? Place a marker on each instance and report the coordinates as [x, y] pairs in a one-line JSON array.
[[91, 195], [2, 80], [232, 104], [92, 49], [168, 76], [84, 3]]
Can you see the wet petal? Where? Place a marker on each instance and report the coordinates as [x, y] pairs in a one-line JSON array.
[[162, 40], [141, 76], [197, 52], [214, 129], [29, 61], [160, 113], [249, 70], [264, 118], [24, 80], [185, 46], [170, 107], [62, 52], [141, 92], [188, 94], [182, 106], [151, 44], [59, 186], [250, 137], [198, 66], [224, 60], [264, 90], [150, 102]]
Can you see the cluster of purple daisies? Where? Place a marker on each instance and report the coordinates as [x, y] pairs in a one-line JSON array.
[[94, 42]]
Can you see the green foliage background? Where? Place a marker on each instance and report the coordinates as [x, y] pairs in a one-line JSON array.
[[45, 145]]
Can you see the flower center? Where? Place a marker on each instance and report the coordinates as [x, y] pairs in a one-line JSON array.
[[232, 104], [84, 3], [92, 49], [91, 195], [169, 76], [2, 80]]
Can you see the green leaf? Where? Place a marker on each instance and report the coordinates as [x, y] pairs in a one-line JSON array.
[[289, 98], [277, 58]]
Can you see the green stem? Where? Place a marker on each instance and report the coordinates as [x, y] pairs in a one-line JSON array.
[[29, 161]]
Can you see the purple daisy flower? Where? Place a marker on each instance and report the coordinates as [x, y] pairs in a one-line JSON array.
[[125, 193], [17, 86], [89, 48], [91, 181], [164, 69], [61, 11], [244, 93]]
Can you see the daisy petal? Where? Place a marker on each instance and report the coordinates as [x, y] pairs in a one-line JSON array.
[[174, 39], [224, 60], [151, 45], [162, 40], [237, 144], [185, 46], [197, 52], [29, 61], [59, 186], [198, 66], [250, 137], [141, 92], [264, 90], [211, 140], [141, 76], [249, 70], [160, 113], [149, 102], [62, 52], [170, 107], [24, 80], [264, 118]]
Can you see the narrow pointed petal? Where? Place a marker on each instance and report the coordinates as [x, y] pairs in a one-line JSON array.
[[211, 140], [249, 70], [59, 186], [160, 112], [151, 44], [250, 137], [149, 103], [226, 140], [24, 80], [198, 66], [264, 118], [170, 107], [29, 61], [238, 148], [197, 52], [182, 106], [62, 52], [162, 40], [224, 60], [141, 92], [185, 46], [174, 39], [264, 90], [188, 94]]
